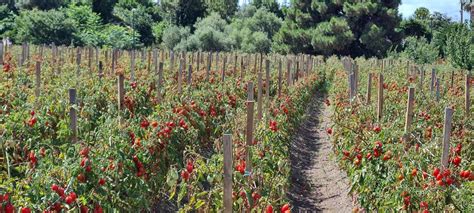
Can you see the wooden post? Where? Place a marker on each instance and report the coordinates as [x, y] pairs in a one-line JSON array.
[[369, 87], [121, 91], [132, 66], [242, 68], [433, 80], [249, 129], [448, 116], [228, 155], [452, 79], [288, 72], [114, 58], [149, 57], [217, 64], [267, 81], [190, 72], [198, 61], [409, 112], [235, 64], [255, 63], [171, 60], [37, 79], [467, 95], [89, 61], [437, 90], [380, 98], [297, 71], [259, 97], [422, 78], [279, 77], [208, 70], [351, 87], [355, 68], [78, 61], [160, 82], [101, 74], [1, 53], [72, 114], [97, 54], [180, 75], [224, 67], [23, 53]]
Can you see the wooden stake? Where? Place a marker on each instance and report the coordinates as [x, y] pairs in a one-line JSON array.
[[72, 114], [89, 61], [249, 130], [288, 72], [101, 74], [369, 87], [160, 82], [448, 116], [235, 64], [1, 53], [409, 111], [198, 61], [242, 68], [189, 80], [259, 97], [121, 91], [37, 80], [422, 78], [209, 62], [279, 77], [228, 169], [437, 90], [467, 95], [433, 80], [351, 87], [78, 61], [180, 75], [380, 98], [132, 66], [224, 67]]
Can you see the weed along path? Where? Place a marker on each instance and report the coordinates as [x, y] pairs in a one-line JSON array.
[[317, 183]]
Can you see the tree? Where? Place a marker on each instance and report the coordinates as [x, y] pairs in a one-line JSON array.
[[44, 27], [422, 13], [225, 8], [104, 8], [135, 15], [460, 46], [417, 28], [87, 24], [41, 4], [419, 50], [182, 12], [271, 5], [173, 35], [252, 29], [339, 27], [6, 21]]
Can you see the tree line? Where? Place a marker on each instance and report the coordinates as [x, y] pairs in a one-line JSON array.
[[324, 27]]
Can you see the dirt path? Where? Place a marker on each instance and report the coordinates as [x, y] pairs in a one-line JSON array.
[[317, 184]]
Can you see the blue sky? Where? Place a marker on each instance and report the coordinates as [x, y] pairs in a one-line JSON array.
[[448, 7]]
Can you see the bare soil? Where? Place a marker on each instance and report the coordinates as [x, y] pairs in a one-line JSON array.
[[317, 183]]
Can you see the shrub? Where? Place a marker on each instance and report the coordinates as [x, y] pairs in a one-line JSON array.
[[173, 35], [120, 37], [460, 47], [419, 50], [44, 27], [158, 30]]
